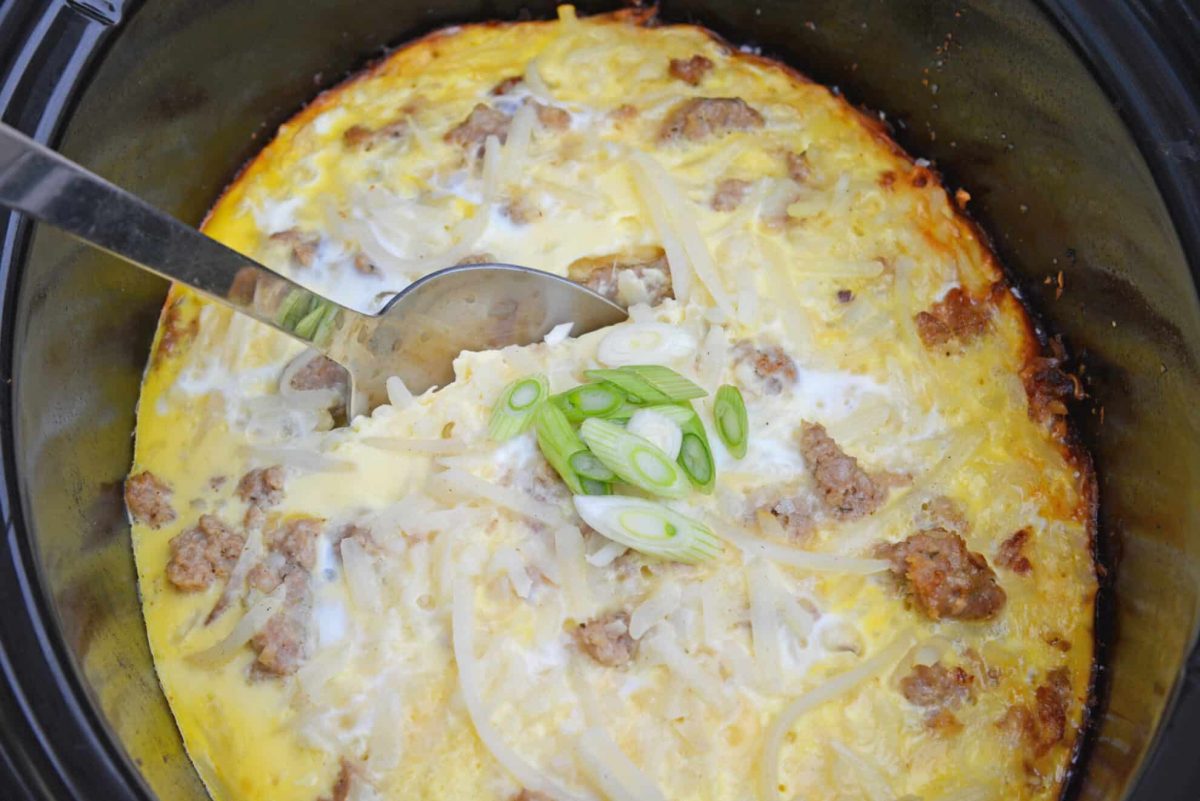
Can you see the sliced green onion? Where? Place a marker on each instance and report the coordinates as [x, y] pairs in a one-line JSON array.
[[513, 413], [586, 465], [634, 459], [593, 487], [292, 308], [637, 388], [311, 321], [667, 381], [558, 442], [590, 400], [695, 454], [729, 414], [695, 458], [649, 527]]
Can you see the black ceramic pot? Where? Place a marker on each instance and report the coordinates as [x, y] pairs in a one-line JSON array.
[[1075, 126]]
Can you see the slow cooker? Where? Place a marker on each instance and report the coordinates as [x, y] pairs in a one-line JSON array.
[[1075, 126]]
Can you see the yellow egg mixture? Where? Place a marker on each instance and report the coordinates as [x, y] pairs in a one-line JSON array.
[[402, 608]]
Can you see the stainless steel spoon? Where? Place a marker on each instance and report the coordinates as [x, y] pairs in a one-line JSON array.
[[416, 336]]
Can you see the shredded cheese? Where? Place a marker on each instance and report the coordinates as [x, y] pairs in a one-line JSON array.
[[613, 771]]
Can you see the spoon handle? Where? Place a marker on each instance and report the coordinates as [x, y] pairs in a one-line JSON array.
[[49, 188]]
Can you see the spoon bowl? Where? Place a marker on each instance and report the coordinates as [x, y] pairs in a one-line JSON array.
[[416, 336]]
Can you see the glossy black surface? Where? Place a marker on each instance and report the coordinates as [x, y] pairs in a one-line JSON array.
[[1073, 125]]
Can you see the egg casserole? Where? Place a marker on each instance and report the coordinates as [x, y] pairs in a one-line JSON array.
[[895, 594]]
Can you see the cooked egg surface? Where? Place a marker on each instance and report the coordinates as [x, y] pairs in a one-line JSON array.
[[402, 608]]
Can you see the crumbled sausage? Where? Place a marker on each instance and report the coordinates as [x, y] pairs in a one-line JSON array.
[[507, 85], [262, 486], [1010, 555], [552, 117], [944, 578], [606, 639], [304, 246], [937, 686], [1056, 640], [638, 277], [296, 540], [203, 554], [1045, 725], [795, 515], [361, 137], [341, 785], [1048, 385], [319, 372], [773, 367], [281, 643], [521, 210], [887, 179], [149, 499], [955, 317], [844, 489], [690, 70], [364, 265], [482, 122], [702, 117], [799, 169], [729, 194]]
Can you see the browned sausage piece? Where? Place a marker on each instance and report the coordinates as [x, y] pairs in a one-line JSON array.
[[603, 274], [937, 686], [482, 122], [702, 117], [1010, 554], [149, 499], [296, 540], [844, 488], [1045, 725], [280, 645], [773, 367], [729, 194], [690, 70], [798, 167], [319, 372], [262, 486], [552, 117], [358, 137], [341, 785], [955, 317], [507, 85], [944, 578], [304, 246], [606, 639], [202, 554]]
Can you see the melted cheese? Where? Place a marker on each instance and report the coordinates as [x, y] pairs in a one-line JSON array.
[[439, 664]]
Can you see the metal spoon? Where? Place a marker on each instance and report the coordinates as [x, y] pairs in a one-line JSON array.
[[416, 336]]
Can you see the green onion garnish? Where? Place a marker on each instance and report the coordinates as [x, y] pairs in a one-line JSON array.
[[513, 413], [634, 459], [667, 381], [590, 400], [695, 455], [638, 389], [729, 414], [586, 465], [649, 527], [558, 442], [593, 487]]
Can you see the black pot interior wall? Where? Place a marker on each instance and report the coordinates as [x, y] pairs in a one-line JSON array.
[[986, 88]]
